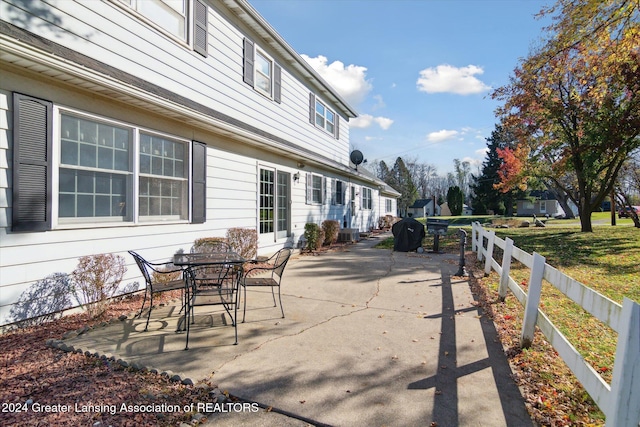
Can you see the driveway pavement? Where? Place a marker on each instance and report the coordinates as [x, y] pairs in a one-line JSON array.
[[371, 338]]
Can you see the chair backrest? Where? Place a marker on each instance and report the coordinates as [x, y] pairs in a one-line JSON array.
[[281, 261], [211, 246], [142, 264]]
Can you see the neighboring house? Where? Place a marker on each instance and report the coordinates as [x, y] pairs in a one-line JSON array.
[[445, 211], [423, 208], [146, 125], [542, 203], [538, 208]]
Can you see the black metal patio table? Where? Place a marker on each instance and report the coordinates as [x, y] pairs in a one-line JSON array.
[[212, 278]]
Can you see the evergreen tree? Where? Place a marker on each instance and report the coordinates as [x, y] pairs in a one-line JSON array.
[[485, 197], [455, 200]]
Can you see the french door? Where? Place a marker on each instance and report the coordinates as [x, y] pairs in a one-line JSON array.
[[274, 219]]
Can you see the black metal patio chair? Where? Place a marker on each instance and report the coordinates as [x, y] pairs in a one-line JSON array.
[[159, 277], [275, 269], [210, 275]]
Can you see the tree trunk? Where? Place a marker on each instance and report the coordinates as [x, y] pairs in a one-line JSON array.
[[585, 217]]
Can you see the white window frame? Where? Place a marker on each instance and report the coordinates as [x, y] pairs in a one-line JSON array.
[[316, 189], [367, 198], [259, 74], [388, 205], [134, 7], [134, 175], [321, 117]]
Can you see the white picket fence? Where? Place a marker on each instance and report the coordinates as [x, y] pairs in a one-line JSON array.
[[619, 401]]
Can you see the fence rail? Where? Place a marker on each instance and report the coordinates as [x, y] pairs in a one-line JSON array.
[[620, 400]]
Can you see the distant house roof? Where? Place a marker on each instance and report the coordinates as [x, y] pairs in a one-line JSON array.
[[420, 203]]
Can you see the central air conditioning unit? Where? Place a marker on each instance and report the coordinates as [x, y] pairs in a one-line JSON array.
[[348, 235]]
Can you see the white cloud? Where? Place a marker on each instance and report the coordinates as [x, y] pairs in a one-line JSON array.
[[446, 78], [349, 81], [442, 135], [367, 120], [482, 151]]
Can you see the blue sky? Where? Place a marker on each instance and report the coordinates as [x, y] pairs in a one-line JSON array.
[[418, 72]]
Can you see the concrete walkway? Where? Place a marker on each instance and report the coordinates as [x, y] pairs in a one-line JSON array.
[[371, 338]]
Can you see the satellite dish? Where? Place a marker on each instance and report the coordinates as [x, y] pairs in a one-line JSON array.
[[356, 157]]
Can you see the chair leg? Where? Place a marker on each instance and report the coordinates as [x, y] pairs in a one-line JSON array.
[[280, 299], [273, 295], [143, 301], [244, 306], [150, 308]]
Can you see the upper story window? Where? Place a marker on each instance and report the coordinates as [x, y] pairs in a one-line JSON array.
[[261, 72], [170, 15], [323, 117], [263, 67]]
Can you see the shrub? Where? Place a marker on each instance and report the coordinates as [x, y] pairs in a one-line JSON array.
[[244, 241], [96, 279], [201, 244], [331, 229], [385, 222], [313, 235]]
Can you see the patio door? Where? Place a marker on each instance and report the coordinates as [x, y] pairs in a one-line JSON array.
[[274, 217]]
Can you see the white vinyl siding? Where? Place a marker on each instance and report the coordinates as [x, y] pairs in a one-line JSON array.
[[120, 38]]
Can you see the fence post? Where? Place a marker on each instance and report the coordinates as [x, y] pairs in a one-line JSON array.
[[473, 235], [506, 268], [621, 410], [533, 300], [480, 244], [489, 257]]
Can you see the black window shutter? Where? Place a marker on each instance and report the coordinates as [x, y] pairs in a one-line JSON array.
[[200, 28], [248, 61], [32, 164], [199, 183], [312, 108], [277, 83], [336, 127]]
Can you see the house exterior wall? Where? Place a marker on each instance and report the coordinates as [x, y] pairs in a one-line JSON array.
[[538, 207], [179, 95]]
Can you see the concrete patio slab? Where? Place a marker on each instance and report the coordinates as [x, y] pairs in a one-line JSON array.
[[371, 337]]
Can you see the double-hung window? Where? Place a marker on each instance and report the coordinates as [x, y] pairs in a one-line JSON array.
[[316, 189], [323, 117], [366, 198], [114, 172], [172, 18], [264, 71], [71, 167], [261, 72], [337, 192], [170, 15]]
